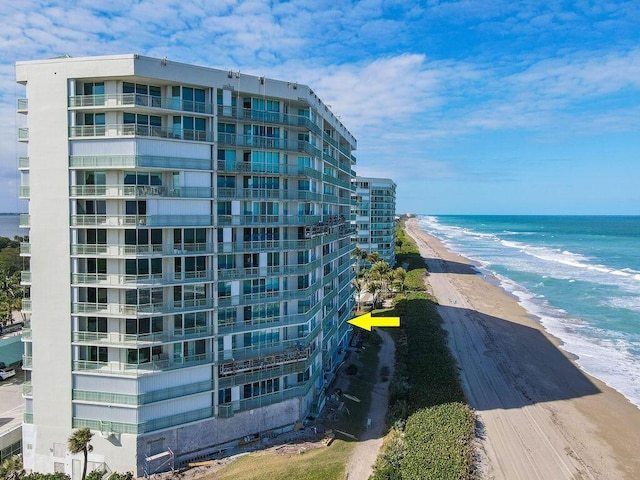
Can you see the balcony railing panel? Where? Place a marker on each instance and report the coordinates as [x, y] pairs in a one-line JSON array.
[[130, 129], [141, 250], [140, 100], [139, 161], [141, 220], [139, 191]]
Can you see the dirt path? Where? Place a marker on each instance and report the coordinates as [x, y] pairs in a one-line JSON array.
[[364, 455], [540, 417]]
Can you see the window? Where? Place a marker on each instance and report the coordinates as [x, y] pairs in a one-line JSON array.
[[142, 326], [264, 387], [143, 266], [189, 323], [226, 181], [143, 355], [226, 262], [144, 239], [144, 296], [268, 183], [189, 98], [142, 178], [224, 208], [133, 207], [93, 354], [224, 396], [91, 207], [93, 88], [93, 324], [224, 289], [93, 295], [189, 128], [96, 265]]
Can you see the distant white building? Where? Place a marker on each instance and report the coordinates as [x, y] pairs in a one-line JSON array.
[[375, 212], [190, 251]]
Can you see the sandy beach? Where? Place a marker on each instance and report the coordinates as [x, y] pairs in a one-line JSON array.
[[539, 415]]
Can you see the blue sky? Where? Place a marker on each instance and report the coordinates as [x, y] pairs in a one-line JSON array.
[[472, 106]]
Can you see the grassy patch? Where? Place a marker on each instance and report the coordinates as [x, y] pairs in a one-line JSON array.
[[318, 464]]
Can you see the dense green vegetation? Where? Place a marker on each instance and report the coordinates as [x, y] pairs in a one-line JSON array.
[[432, 427], [11, 293]]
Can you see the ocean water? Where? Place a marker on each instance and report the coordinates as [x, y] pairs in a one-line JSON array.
[[9, 226], [579, 275]]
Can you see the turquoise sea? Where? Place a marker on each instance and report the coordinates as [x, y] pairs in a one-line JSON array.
[[579, 275]]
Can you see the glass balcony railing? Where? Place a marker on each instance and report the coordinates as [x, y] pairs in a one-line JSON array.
[[139, 161], [123, 280], [130, 129], [268, 219], [27, 389], [25, 277], [23, 163], [143, 398], [139, 191], [26, 305], [122, 339], [23, 134], [25, 220], [142, 101], [144, 309], [24, 192], [25, 249], [141, 220], [142, 250], [27, 361], [23, 105], [275, 143], [114, 368]]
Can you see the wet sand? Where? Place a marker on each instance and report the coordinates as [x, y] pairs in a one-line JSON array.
[[539, 416]]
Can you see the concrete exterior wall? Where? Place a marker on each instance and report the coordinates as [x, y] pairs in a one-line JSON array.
[[196, 439]]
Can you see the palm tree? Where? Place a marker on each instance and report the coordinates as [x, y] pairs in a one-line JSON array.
[[11, 468], [79, 441], [398, 278], [359, 283]]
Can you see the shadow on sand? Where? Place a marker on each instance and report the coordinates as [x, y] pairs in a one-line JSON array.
[[508, 365]]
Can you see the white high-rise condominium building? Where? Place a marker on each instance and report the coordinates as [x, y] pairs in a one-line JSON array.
[[375, 210], [190, 257]]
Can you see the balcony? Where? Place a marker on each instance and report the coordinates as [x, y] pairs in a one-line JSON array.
[[120, 368], [24, 192], [142, 339], [261, 167], [25, 249], [26, 305], [243, 360], [23, 163], [142, 398], [144, 102], [274, 143], [141, 220], [269, 194], [130, 129], [141, 250], [263, 116], [139, 161], [139, 191], [267, 220], [122, 280], [23, 134], [25, 220], [25, 277], [23, 105], [122, 309]]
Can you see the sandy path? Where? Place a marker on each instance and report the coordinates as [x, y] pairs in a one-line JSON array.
[[539, 416], [366, 451]]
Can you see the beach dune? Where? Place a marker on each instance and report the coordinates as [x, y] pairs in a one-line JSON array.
[[539, 416]]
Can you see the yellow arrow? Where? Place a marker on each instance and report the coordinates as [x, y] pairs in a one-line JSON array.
[[366, 321]]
